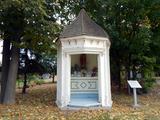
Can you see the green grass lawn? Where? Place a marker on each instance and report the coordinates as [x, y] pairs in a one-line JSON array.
[[39, 104]]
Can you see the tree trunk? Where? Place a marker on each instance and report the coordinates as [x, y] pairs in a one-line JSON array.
[[119, 75], [128, 67], [24, 84], [25, 72], [9, 93], [5, 66], [53, 77]]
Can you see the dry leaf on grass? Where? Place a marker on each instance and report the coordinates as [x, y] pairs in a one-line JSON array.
[[39, 104]]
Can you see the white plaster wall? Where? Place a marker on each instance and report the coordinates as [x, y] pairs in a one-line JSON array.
[[91, 61], [84, 42], [59, 75], [92, 46], [75, 59]]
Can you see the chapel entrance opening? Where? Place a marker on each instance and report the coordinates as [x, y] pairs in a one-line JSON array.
[[84, 79]]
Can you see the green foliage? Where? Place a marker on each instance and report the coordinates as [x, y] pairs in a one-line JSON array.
[[133, 27], [147, 84], [32, 20], [134, 30], [39, 82], [147, 80], [19, 83], [49, 62], [33, 77]]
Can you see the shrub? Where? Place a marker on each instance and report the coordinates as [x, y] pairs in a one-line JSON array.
[[147, 83], [35, 78], [19, 83], [39, 82], [147, 80]]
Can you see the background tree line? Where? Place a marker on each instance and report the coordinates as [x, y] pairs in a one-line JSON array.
[[134, 30], [133, 27]]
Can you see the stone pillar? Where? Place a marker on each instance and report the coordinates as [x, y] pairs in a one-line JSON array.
[[108, 100], [104, 86], [99, 79], [67, 79], [101, 86], [63, 78], [59, 77]]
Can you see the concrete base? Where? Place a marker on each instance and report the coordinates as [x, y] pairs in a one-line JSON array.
[[84, 100], [136, 106]]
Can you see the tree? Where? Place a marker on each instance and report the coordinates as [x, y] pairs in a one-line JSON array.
[[10, 64], [131, 25], [154, 17], [49, 62], [24, 24]]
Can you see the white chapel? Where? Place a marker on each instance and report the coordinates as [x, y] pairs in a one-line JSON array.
[[83, 65]]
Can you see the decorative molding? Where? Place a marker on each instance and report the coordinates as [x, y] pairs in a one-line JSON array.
[[92, 85], [84, 84], [64, 54], [108, 43], [69, 42], [74, 85], [84, 42], [75, 41], [85, 37], [102, 53], [98, 42], [91, 41], [86, 50]]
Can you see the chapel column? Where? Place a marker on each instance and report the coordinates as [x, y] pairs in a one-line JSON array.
[[108, 100], [65, 79], [101, 85]]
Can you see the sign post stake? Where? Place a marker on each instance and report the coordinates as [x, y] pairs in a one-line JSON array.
[[135, 96], [134, 84]]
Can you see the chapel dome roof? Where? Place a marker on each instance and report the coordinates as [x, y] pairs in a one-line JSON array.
[[83, 25]]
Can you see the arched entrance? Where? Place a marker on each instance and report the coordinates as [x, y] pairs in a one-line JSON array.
[[84, 80]]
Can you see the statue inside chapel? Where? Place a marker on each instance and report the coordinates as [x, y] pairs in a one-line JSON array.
[[94, 72]]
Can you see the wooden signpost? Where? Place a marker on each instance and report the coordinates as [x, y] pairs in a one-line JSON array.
[[134, 84]]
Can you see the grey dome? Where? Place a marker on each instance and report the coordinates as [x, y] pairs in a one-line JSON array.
[[83, 25]]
